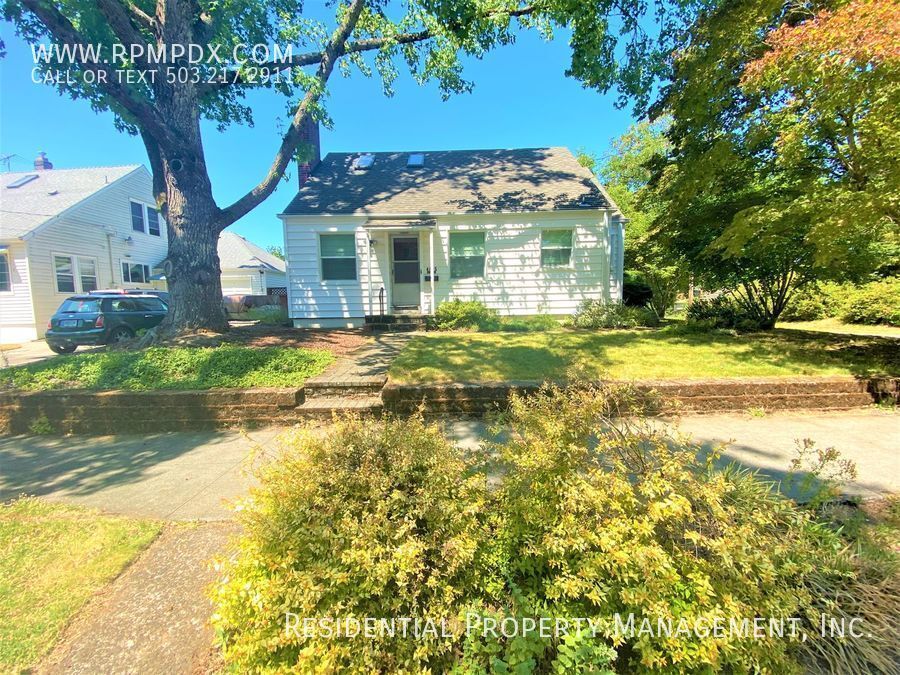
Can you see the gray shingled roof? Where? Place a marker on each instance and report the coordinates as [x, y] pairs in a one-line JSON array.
[[451, 181], [24, 208], [236, 252]]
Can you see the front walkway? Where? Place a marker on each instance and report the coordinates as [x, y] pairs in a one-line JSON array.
[[365, 366]]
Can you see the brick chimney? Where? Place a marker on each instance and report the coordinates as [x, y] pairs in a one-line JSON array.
[[309, 153], [41, 163]]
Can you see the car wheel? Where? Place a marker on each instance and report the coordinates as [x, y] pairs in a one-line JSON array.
[[62, 349], [120, 334]]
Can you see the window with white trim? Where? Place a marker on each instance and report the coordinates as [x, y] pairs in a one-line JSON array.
[[556, 248], [75, 274], [338, 255], [466, 255], [137, 217], [135, 273], [152, 221], [5, 278]]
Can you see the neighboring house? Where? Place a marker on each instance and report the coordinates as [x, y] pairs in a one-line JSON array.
[[526, 231], [248, 269], [66, 231]]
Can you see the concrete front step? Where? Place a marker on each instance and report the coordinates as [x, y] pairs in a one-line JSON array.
[[358, 387], [325, 407]]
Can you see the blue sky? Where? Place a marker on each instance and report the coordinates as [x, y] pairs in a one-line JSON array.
[[521, 99]]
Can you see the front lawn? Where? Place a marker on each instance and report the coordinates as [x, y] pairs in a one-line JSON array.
[[838, 326], [54, 558], [670, 353], [226, 366]]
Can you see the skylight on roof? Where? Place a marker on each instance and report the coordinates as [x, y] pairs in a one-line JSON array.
[[416, 159], [19, 182], [363, 162]]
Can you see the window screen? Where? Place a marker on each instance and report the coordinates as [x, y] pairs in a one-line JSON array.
[[466, 255], [338, 253], [137, 217], [556, 248]]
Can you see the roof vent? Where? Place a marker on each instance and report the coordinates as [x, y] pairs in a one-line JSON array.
[[19, 182], [416, 159], [363, 162]]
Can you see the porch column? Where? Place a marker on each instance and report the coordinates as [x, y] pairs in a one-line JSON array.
[[369, 268], [431, 266]]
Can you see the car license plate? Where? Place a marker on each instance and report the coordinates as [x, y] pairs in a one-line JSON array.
[[68, 323]]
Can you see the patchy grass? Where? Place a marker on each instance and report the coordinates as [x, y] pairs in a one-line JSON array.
[[841, 328], [226, 366], [637, 354], [54, 558]]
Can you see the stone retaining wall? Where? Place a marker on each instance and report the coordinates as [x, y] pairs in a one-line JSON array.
[[720, 395], [109, 412]]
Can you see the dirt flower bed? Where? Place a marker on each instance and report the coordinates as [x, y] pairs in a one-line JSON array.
[[338, 342]]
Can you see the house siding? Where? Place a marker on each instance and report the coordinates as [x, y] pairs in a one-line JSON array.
[[16, 315], [514, 282], [97, 228]]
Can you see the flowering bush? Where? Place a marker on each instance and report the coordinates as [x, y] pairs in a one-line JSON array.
[[591, 515]]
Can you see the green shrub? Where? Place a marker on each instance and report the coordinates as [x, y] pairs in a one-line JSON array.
[[465, 315], [528, 324], [592, 515], [814, 302], [600, 314], [874, 303], [722, 311], [376, 519], [268, 314]]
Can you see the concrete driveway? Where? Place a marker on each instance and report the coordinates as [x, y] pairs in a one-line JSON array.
[[30, 352], [173, 476]]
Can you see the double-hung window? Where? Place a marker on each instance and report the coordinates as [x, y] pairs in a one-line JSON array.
[[338, 255], [135, 273], [75, 274], [137, 217], [5, 279], [556, 248], [466, 255], [153, 221]]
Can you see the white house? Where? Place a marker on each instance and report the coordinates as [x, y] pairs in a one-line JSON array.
[[66, 231], [526, 231], [248, 269]]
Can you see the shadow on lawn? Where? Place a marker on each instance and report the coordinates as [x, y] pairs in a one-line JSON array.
[[548, 355]]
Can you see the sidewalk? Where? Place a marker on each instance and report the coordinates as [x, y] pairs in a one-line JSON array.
[[154, 618]]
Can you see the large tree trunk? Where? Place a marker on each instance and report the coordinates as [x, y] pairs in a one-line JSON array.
[[192, 268]]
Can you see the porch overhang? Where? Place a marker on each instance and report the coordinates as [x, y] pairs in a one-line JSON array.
[[400, 224]]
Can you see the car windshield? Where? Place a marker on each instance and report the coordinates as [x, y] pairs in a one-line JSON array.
[[78, 305]]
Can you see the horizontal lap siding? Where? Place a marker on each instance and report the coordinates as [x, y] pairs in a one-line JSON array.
[[514, 282], [83, 232], [310, 297], [16, 315]]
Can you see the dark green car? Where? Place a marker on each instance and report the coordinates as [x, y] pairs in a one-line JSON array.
[[102, 320]]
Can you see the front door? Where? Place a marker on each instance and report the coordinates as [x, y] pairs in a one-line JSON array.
[[406, 273]]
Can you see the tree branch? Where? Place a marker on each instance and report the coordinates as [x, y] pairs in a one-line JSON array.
[[142, 17], [63, 31], [121, 23], [291, 139], [369, 44]]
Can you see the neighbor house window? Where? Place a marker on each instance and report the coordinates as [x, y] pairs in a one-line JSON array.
[[466, 255], [153, 221], [137, 217], [75, 274], [556, 248], [338, 253], [135, 273], [65, 273], [87, 272], [5, 280]]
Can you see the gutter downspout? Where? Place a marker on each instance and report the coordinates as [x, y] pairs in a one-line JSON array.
[[112, 269], [369, 253]]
